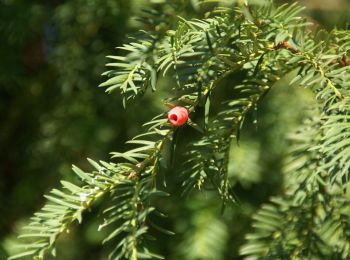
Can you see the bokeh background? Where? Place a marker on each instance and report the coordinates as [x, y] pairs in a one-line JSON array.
[[52, 115]]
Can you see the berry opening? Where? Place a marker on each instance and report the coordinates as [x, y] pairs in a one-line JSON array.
[[173, 117]]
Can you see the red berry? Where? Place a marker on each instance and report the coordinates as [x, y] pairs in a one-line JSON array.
[[178, 116]]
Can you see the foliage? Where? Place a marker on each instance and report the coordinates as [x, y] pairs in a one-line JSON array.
[[247, 50], [51, 112]]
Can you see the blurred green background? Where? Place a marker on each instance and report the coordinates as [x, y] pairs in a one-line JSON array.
[[52, 114]]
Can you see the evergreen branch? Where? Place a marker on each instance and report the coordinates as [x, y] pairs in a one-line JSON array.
[[56, 217], [317, 59], [310, 223], [308, 198], [133, 72], [129, 212], [316, 77], [208, 157], [334, 145], [67, 205], [254, 40], [286, 230]]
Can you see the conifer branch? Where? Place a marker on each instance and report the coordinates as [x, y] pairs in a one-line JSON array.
[[263, 43]]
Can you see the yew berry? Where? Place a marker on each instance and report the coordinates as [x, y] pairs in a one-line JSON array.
[[178, 116]]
